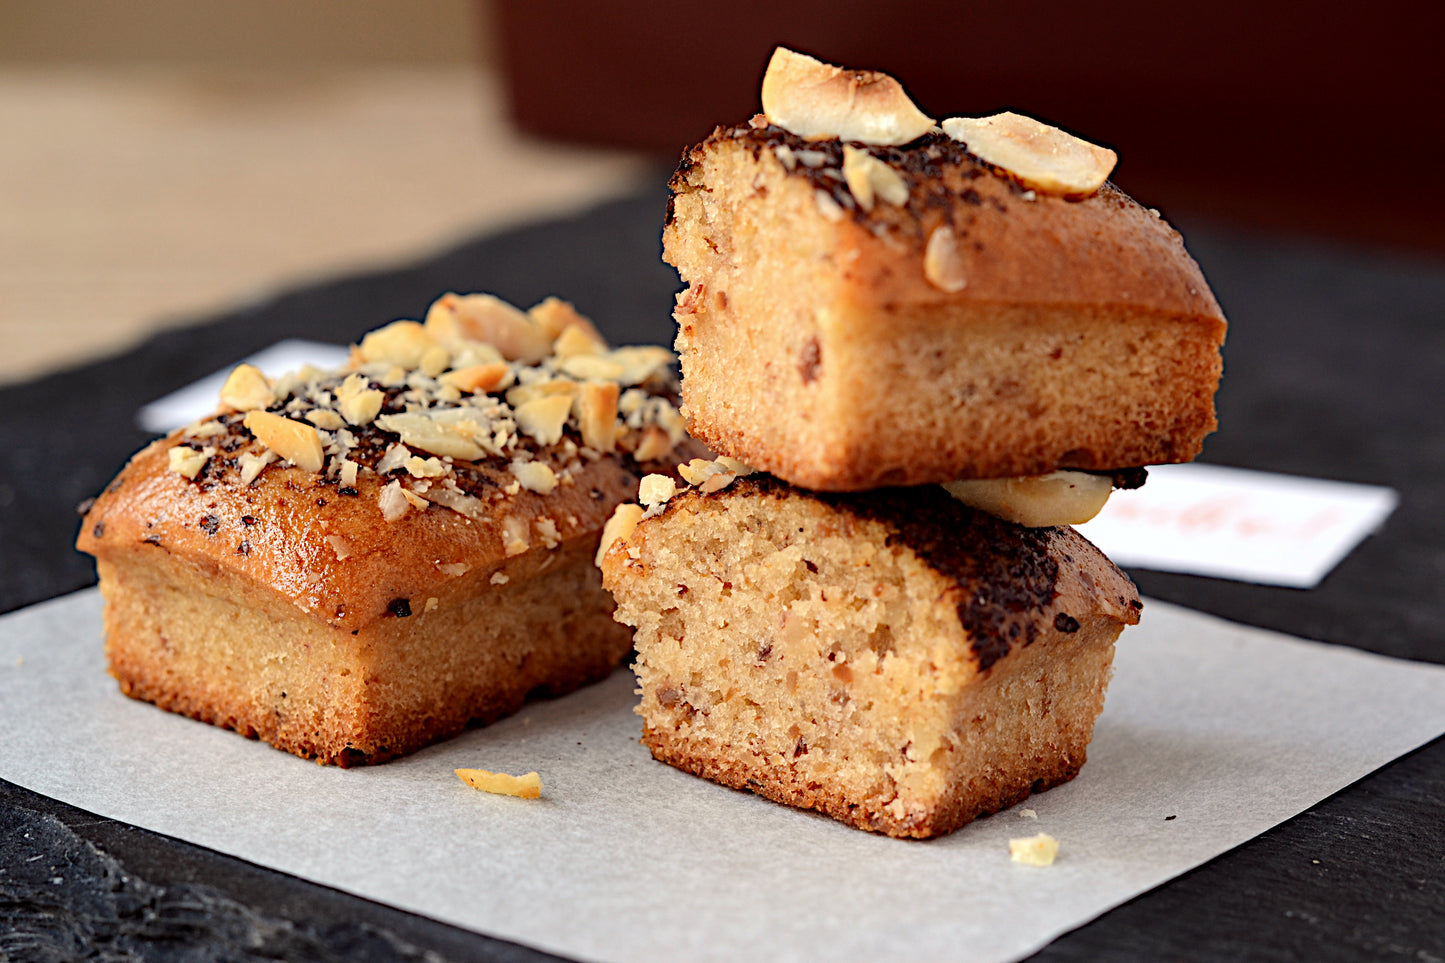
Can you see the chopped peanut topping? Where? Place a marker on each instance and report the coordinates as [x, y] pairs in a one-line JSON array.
[[597, 415], [543, 418], [620, 526], [296, 442], [656, 490], [402, 343], [246, 389], [868, 177], [535, 476], [188, 462]]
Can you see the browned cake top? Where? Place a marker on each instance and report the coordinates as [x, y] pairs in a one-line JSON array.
[[1004, 575], [1011, 244], [433, 455]]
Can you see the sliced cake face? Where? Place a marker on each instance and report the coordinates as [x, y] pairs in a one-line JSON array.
[[860, 315], [894, 659], [353, 564]]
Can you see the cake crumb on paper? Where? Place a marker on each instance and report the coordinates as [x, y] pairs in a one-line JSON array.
[[1028, 814], [526, 787], [1037, 850]]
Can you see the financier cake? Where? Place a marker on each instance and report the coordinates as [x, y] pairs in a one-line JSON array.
[[895, 658], [872, 300], [353, 564]]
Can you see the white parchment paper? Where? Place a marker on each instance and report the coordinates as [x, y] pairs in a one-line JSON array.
[[1230, 730]]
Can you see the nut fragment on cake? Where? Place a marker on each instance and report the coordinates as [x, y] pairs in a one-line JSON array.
[[1039, 156], [352, 564], [813, 99], [895, 659]]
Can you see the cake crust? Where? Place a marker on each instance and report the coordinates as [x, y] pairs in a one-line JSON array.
[[975, 330]]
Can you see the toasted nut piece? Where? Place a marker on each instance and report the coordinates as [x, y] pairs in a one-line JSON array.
[[698, 471], [522, 394], [294, 441], [830, 209], [252, 464], [340, 545], [735, 466], [654, 444], [1037, 850], [1037, 501], [597, 415], [817, 100], [716, 482], [535, 476], [579, 339], [401, 343], [479, 377], [433, 432], [868, 177], [554, 316], [1038, 156], [655, 490], [524, 787], [435, 360], [358, 402], [640, 362], [348, 473], [543, 418], [393, 501], [418, 467], [619, 527], [325, 418], [591, 367], [247, 389], [487, 318], [942, 265], [188, 461], [515, 539]]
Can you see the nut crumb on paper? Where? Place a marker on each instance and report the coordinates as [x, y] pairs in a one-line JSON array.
[[1037, 850], [526, 787]]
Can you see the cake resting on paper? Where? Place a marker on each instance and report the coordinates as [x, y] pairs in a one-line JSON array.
[[895, 659], [353, 564]]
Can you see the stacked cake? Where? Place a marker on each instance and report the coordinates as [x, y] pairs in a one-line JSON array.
[[938, 348]]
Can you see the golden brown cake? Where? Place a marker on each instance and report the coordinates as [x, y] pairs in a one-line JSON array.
[[353, 564], [861, 314], [894, 659]]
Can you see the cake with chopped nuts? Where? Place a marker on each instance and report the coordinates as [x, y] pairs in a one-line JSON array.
[[353, 564], [894, 659], [872, 300]]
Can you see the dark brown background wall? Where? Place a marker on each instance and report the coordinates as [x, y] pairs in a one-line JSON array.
[[1319, 118]]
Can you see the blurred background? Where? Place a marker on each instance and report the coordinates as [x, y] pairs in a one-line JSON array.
[[162, 159]]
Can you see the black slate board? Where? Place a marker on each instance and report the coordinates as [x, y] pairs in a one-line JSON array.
[[1334, 362]]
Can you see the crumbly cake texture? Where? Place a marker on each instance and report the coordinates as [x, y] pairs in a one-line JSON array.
[[396, 594], [893, 659], [858, 316]]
